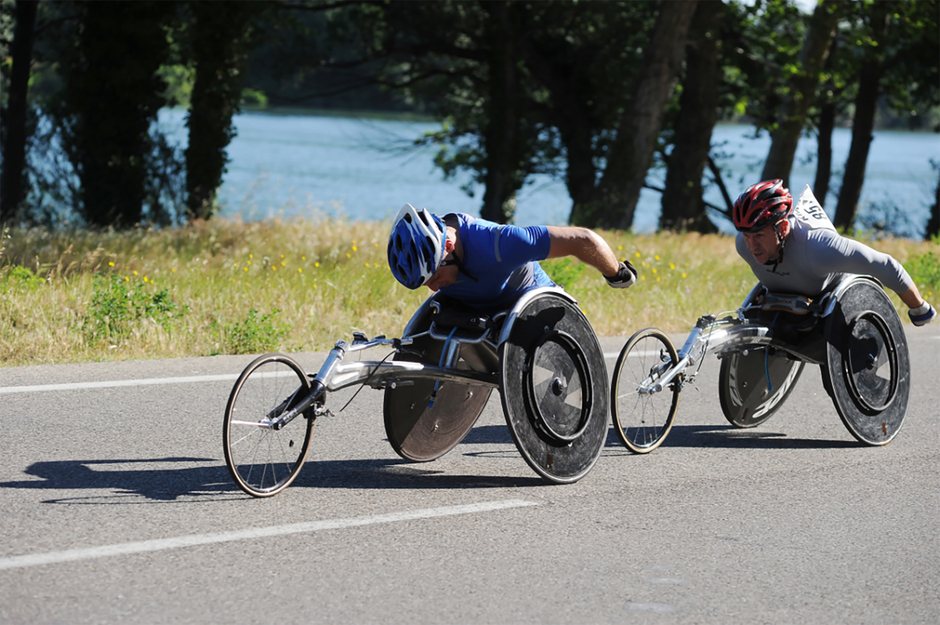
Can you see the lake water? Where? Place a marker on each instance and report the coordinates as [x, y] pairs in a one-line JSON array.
[[302, 165]]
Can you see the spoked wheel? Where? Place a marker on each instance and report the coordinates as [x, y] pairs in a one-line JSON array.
[[263, 460], [643, 418]]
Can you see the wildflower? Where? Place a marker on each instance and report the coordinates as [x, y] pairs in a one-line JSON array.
[[111, 264], [637, 254], [355, 249], [316, 264], [299, 270], [672, 265], [656, 257], [135, 273]]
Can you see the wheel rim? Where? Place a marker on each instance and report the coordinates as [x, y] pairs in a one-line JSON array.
[[870, 355], [558, 387], [645, 418], [264, 460]]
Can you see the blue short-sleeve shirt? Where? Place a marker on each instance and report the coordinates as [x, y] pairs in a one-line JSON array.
[[499, 264]]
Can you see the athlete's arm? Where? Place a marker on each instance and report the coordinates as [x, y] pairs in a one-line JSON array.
[[585, 245]]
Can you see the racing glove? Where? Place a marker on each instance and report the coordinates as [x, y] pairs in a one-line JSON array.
[[625, 278], [923, 315]]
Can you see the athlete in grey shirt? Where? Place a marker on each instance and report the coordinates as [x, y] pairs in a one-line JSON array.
[[797, 250]]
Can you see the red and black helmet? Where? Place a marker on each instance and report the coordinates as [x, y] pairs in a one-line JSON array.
[[762, 204]]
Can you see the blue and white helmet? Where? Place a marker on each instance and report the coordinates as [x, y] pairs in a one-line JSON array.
[[415, 246]]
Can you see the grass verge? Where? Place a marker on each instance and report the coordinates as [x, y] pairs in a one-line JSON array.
[[231, 287]]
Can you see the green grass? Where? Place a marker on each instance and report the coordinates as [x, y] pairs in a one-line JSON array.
[[228, 287]]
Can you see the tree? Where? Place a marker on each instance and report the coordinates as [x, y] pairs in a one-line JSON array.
[[111, 97], [12, 184], [683, 207], [900, 51], [801, 90], [219, 43], [614, 201]]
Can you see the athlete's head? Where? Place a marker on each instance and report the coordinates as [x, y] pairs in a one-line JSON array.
[[415, 246], [760, 213]]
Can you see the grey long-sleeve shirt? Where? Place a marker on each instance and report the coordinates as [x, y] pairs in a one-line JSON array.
[[815, 255]]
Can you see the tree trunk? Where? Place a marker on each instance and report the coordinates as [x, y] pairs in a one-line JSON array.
[[114, 92], [12, 182], [933, 222], [501, 138], [683, 207], [220, 45], [613, 204], [571, 115], [827, 121], [866, 105], [802, 88]]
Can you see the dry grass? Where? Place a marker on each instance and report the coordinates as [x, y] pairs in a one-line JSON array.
[[309, 283]]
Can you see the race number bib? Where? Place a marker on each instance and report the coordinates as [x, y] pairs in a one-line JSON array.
[[809, 211]]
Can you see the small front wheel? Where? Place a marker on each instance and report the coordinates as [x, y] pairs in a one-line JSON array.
[[262, 459], [641, 416]]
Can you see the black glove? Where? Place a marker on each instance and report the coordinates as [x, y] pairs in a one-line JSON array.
[[625, 278]]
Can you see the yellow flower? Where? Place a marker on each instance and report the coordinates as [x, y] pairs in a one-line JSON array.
[[637, 254], [672, 266], [355, 249], [174, 270], [135, 273], [656, 257], [111, 264], [316, 264], [654, 270], [126, 279], [683, 274], [299, 270], [251, 256], [283, 264], [246, 268]]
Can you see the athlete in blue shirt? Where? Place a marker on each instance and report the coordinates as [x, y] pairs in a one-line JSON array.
[[488, 265], [797, 250]]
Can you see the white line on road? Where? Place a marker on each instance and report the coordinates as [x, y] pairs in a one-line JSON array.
[[92, 553], [78, 386]]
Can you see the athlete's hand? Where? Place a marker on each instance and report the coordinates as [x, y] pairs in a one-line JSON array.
[[625, 278], [923, 315]]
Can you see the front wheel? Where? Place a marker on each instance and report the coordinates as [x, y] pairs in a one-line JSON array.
[[263, 460], [643, 418]]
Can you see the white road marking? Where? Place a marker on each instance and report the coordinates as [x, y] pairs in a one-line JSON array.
[[225, 377], [179, 542], [76, 386]]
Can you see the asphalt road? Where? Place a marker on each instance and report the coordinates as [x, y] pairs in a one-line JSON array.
[[117, 508]]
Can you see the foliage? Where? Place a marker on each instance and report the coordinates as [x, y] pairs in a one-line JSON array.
[[17, 277], [255, 334], [117, 304], [925, 271], [563, 271]]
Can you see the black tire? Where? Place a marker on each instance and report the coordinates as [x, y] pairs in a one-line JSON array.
[[741, 376], [264, 461], [643, 421], [867, 372]]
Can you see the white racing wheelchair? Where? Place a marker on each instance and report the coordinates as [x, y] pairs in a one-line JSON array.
[[542, 355], [853, 333]]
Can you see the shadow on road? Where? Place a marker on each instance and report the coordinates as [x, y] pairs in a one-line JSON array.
[[728, 436], [177, 477]]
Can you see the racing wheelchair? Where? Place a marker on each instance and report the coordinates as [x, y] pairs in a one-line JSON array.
[[542, 355], [853, 333]]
